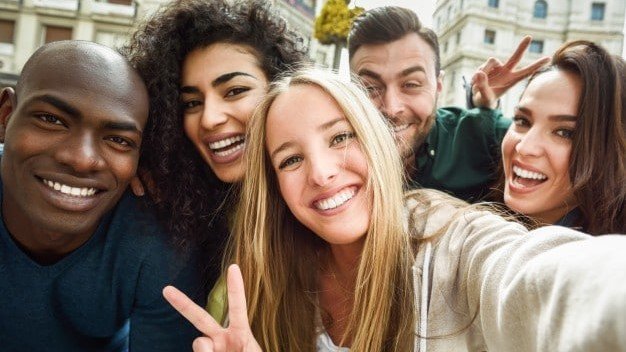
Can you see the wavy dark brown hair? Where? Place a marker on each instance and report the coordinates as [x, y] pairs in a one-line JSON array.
[[597, 164], [190, 198]]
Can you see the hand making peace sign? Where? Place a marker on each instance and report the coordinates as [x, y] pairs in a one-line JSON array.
[[493, 79], [237, 336]]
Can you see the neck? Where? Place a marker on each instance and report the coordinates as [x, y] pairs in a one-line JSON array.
[[44, 246], [344, 261]]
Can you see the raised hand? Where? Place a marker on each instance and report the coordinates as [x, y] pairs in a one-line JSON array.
[[237, 336], [493, 79]]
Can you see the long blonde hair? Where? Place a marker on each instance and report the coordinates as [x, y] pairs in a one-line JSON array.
[[280, 259]]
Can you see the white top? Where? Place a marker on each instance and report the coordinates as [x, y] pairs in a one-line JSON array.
[[325, 344]]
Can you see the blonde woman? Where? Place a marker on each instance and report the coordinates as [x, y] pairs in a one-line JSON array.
[[333, 257]]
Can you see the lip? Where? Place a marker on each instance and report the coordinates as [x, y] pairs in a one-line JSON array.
[[522, 190], [331, 193], [222, 159], [67, 202]]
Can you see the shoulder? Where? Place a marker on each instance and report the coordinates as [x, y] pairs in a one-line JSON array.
[[479, 117]]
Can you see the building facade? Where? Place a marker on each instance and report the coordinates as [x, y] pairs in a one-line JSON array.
[[471, 31], [25, 25]]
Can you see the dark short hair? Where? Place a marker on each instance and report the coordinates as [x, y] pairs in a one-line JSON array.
[[387, 24]]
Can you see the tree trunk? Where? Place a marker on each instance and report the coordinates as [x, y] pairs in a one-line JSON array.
[[337, 57]]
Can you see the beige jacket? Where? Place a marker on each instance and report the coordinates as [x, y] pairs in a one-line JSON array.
[[494, 286]]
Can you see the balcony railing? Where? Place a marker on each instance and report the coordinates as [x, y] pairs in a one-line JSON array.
[[66, 5]]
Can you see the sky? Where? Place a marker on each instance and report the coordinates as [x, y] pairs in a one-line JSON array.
[[423, 8]]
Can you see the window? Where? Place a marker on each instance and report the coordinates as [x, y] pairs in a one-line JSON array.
[[597, 11], [458, 38], [493, 3], [490, 36], [536, 46], [121, 2], [54, 33], [7, 29], [541, 9], [445, 47]]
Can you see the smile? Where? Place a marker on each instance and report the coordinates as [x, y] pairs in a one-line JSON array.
[[519, 172], [399, 128], [69, 190], [227, 146], [337, 200]]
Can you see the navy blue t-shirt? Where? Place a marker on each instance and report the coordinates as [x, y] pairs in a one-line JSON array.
[[104, 296]]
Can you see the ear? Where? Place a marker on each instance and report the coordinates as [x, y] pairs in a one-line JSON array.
[[440, 76], [7, 104]]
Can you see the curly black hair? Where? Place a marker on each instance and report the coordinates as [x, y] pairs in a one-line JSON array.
[[189, 197]]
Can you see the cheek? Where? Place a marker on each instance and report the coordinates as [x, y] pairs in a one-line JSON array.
[[124, 167], [560, 159], [508, 145], [423, 105], [190, 126], [245, 108], [288, 185]]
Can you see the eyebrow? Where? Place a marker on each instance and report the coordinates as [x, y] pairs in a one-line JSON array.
[[403, 73], [122, 126], [561, 117], [59, 104], [218, 81], [323, 127]]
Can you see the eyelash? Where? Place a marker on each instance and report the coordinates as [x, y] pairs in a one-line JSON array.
[[233, 92], [346, 135], [337, 139], [50, 119], [522, 122]]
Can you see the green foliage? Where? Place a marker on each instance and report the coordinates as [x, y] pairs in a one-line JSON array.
[[334, 21]]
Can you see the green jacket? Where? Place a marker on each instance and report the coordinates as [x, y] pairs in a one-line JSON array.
[[461, 153]]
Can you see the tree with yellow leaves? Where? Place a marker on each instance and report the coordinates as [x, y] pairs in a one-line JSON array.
[[333, 25]]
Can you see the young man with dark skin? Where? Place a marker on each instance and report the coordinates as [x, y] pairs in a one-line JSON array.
[[82, 265], [450, 149]]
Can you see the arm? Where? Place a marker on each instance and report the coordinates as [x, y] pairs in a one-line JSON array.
[[553, 289], [571, 297], [493, 78]]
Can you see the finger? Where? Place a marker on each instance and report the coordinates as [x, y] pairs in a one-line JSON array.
[[519, 52], [237, 307], [202, 344], [136, 186], [530, 69], [490, 64], [196, 315], [487, 96]]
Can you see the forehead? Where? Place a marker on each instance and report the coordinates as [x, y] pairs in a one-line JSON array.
[[108, 88], [301, 109], [217, 59], [558, 89], [392, 58]]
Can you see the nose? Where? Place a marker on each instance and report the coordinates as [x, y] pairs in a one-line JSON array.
[[213, 114], [391, 104], [530, 143], [81, 153], [323, 169]]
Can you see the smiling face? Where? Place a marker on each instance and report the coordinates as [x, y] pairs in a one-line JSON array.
[[536, 149], [221, 86], [401, 79], [320, 167], [73, 133]]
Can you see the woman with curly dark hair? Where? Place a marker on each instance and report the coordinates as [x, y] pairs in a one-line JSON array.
[[206, 64]]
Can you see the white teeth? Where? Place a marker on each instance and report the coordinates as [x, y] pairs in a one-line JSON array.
[[398, 128], [225, 142], [72, 191], [229, 151], [528, 174], [336, 200]]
